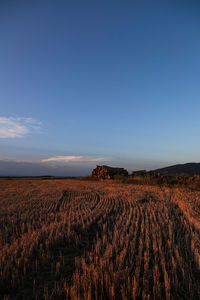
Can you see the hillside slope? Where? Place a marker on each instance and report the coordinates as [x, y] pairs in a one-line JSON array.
[[189, 169]]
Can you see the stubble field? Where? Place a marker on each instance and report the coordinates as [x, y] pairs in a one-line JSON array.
[[70, 239]]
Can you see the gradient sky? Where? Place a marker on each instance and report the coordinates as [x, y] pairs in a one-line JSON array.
[[108, 82]]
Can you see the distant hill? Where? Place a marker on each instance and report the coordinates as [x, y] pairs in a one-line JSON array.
[[188, 169]]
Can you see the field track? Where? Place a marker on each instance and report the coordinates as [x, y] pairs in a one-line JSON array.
[[70, 239]]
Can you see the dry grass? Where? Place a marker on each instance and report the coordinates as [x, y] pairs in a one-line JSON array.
[[70, 239]]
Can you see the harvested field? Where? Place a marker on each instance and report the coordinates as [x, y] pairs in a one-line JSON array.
[[70, 239]]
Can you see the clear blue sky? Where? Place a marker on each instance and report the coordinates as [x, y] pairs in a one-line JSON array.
[[87, 82]]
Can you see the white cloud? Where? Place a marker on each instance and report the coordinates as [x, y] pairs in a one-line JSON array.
[[74, 158], [17, 127]]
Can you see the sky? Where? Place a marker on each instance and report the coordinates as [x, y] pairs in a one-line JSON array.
[[98, 82]]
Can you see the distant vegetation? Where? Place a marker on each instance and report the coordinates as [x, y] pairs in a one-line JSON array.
[[164, 177], [191, 182], [106, 172]]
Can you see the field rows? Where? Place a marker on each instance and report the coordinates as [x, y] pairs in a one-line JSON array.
[[74, 240]]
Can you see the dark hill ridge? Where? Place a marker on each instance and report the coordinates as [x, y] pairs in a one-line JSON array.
[[188, 169]]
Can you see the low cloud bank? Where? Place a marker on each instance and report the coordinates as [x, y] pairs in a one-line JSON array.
[[55, 166], [22, 168]]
